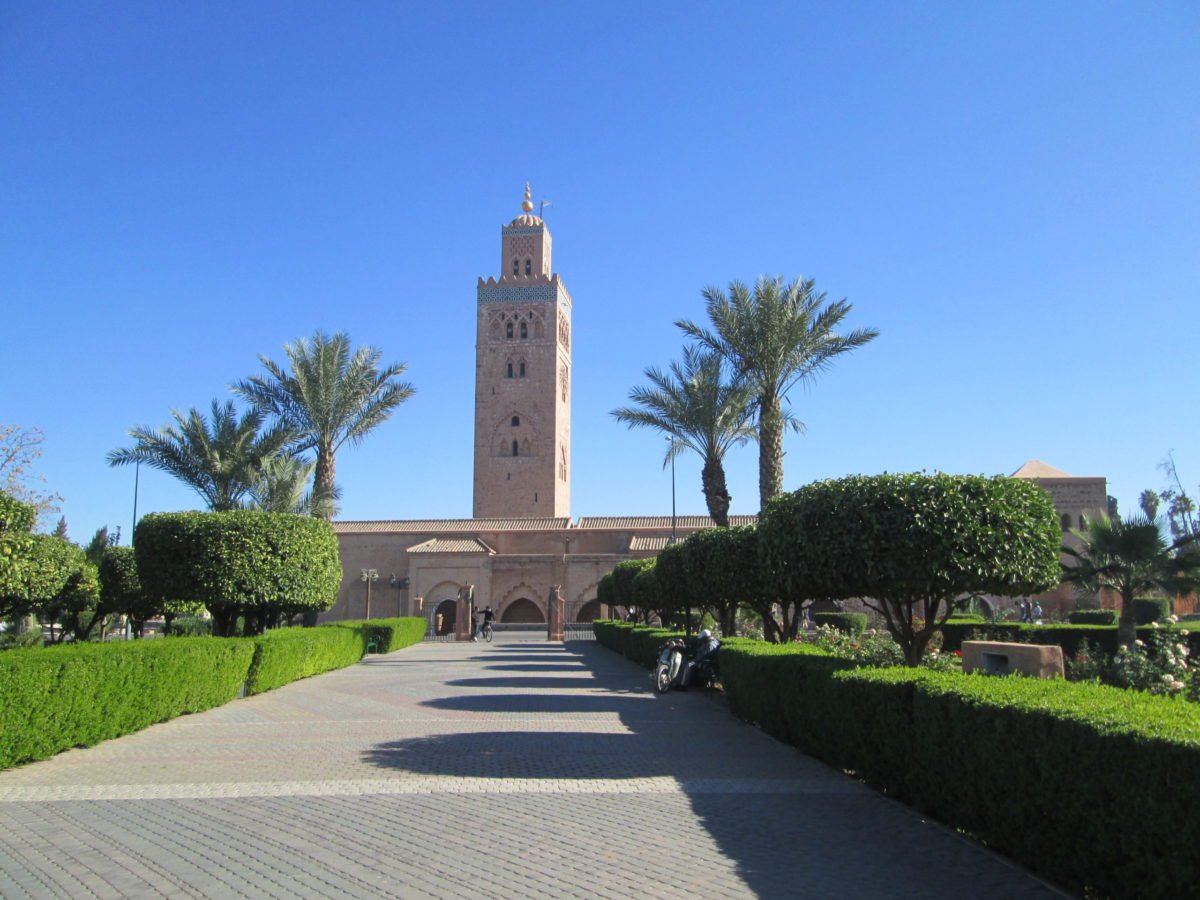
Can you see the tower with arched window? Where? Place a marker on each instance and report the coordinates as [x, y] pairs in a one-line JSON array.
[[522, 380]]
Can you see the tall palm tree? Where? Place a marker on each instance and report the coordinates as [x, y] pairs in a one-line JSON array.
[[331, 395], [1130, 556], [775, 337], [220, 457], [698, 411]]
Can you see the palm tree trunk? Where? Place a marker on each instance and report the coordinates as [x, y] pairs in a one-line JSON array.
[[770, 449], [1127, 624], [323, 479], [716, 493]]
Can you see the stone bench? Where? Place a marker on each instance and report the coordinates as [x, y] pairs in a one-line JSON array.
[[1002, 658]]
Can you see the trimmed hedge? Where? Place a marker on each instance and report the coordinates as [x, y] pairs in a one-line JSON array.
[[75, 696], [1151, 609], [1092, 617], [78, 695], [289, 654], [1066, 636], [850, 623], [388, 635], [1088, 785]]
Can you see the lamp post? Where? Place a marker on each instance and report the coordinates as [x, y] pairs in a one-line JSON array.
[[672, 452], [369, 575]]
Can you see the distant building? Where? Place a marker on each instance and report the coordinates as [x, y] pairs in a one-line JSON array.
[[521, 541]]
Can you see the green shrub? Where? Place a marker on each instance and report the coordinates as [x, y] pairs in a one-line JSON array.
[[639, 643], [1104, 777], [388, 635], [850, 623], [76, 696], [247, 563], [285, 655], [1151, 609], [1092, 617], [188, 626]]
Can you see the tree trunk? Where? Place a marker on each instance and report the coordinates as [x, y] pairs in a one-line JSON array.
[[716, 493], [1127, 624], [323, 477], [770, 449]]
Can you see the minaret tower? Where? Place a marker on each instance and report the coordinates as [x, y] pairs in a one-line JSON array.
[[523, 380]]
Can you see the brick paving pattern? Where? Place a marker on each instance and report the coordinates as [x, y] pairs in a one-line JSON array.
[[517, 769]]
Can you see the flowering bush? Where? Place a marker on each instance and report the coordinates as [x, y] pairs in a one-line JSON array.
[[1088, 664], [877, 649], [1159, 665]]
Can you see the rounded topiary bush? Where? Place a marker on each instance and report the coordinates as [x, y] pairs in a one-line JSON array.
[[246, 563]]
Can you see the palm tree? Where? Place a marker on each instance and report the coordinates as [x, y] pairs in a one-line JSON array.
[[775, 337], [282, 486], [332, 395], [1130, 556], [698, 411], [219, 458]]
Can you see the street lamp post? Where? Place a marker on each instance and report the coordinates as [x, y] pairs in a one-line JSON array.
[[672, 440], [369, 576]]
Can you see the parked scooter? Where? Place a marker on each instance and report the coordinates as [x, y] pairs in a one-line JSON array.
[[675, 670]]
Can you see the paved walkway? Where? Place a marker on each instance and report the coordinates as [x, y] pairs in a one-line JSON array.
[[517, 769]]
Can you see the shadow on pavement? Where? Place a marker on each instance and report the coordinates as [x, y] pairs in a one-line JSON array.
[[540, 667], [792, 826]]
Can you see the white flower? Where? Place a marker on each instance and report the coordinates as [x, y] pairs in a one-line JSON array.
[[1185, 632], [1182, 650], [1153, 624], [1177, 685], [1168, 679], [1139, 643], [1172, 619]]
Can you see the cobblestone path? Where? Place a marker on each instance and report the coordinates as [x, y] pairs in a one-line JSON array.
[[516, 769]]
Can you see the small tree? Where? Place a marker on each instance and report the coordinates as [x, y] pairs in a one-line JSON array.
[[912, 546], [724, 568], [243, 563], [16, 521], [622, 586], [1131, 557], [121, 590], [674, 585], [645, 590]]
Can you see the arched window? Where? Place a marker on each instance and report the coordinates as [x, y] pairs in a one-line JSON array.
[[516, 266], [508, 331], [522, 368], [516, 423], [528, 266], [510, 370], [514, 448], [524, 330], [1065, 521]]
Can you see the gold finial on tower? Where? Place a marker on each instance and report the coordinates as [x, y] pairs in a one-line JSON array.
[[528, 204]]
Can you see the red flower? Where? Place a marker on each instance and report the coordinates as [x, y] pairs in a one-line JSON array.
[[958, 653]]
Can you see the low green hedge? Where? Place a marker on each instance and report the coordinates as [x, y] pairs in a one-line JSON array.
[[850, 623], [1066, 636], [388, 635], [1090, 786], [1151, 609], [1092, 617], [285, 655], [55, 698]]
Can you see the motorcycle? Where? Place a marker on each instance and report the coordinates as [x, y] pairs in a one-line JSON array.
[[675, 670], [671, 666]]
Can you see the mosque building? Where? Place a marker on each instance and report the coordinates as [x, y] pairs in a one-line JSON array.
[[521, 541]]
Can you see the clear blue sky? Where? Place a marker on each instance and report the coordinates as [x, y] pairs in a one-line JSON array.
[[1008, 191]]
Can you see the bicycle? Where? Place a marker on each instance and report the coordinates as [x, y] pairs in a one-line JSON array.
[[485, 631]]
